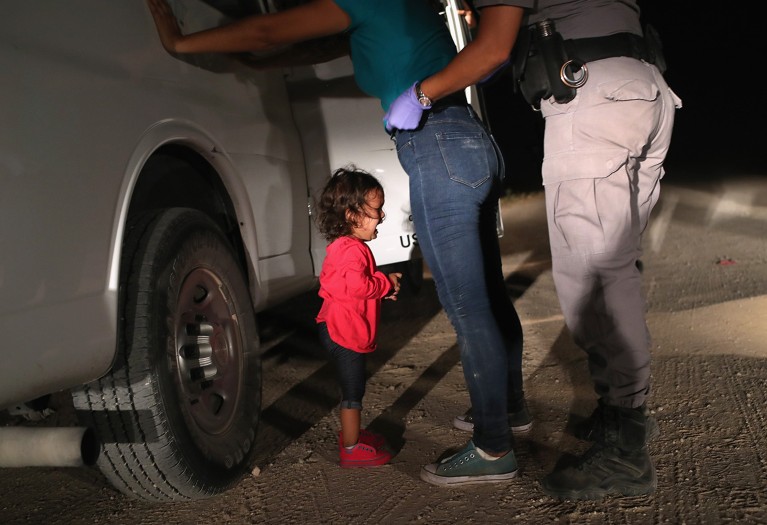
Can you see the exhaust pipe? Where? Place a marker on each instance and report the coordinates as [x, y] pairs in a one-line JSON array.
[[48, 447]]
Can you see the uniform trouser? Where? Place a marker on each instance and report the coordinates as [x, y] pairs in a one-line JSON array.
[[603, 161], [455, 170]]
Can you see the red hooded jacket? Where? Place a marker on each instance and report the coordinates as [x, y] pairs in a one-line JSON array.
[[352, 289]]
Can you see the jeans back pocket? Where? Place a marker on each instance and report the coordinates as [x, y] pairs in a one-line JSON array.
[[469, 157]]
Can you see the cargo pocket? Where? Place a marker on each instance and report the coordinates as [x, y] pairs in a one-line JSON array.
[[589, 201], [591, 164], [629, 89]]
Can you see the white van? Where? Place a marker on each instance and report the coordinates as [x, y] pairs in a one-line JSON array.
[[149, 207]]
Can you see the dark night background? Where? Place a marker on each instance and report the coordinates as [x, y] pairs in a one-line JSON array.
[[712, 66], [715, 65]]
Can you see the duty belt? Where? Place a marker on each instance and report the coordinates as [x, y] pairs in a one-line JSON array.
[[545, 65], [617, 45]]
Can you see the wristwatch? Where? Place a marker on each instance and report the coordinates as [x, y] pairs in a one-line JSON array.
[[422, 97]]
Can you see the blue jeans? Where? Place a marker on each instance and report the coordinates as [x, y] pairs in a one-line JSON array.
[[455, 171], [350, 369]]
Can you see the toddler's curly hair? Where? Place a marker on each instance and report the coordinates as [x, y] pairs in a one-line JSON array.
[[345, 191]]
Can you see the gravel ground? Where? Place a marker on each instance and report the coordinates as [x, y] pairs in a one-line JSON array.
[[706, 280]]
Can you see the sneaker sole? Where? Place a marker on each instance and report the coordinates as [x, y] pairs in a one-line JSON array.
[[619, 489], [364, 464], [460, 424], [522, 429], [449, 481]]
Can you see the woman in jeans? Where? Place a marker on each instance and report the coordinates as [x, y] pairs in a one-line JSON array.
[[455, 172]]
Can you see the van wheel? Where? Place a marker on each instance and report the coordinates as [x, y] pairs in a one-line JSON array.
[[177, 414]]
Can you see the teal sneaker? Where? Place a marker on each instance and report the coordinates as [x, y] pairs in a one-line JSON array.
[[520, 421], [467, 467]]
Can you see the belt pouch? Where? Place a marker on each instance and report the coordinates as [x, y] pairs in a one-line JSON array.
[[538, 64]]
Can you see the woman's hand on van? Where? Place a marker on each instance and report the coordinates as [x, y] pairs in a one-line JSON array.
[[166, 23]]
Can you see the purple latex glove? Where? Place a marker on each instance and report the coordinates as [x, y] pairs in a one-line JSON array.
[[405, 112]]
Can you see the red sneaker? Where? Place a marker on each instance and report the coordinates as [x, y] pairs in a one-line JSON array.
[[367, 437], [362, 455]]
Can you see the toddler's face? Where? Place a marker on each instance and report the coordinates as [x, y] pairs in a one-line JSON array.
[[365, 225]]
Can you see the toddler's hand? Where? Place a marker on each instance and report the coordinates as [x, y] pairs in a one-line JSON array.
[[394, 278]]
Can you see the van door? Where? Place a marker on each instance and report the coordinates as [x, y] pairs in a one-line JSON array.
[[340, 125]]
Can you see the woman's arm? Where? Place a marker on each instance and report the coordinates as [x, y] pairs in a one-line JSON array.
[[314, 51], [498, 29], [314, 19]]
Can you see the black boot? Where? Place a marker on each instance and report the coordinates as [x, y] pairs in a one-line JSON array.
[[592, 429], [616, 465]]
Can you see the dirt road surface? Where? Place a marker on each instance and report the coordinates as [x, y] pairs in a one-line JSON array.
[[705, 274]]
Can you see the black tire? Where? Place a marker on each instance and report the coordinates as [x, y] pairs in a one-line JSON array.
[[177, 414]]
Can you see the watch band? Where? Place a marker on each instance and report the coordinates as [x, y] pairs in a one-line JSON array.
[[422, 97]]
